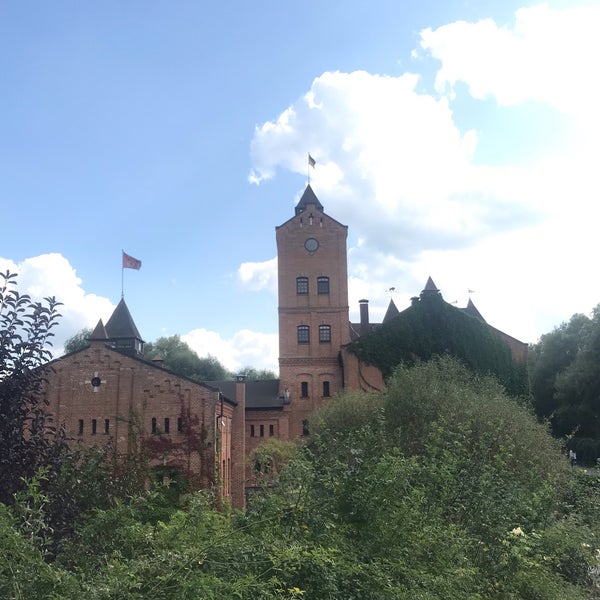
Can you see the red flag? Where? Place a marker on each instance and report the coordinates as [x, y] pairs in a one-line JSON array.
[[131, 263]]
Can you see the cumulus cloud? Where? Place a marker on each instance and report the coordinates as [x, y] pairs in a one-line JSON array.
[[259, 275], [52, 275], [244, 348], [546, 56], [395, 166]]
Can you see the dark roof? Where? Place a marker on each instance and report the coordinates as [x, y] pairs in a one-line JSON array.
[[120, 324], [261, 394], [430, 286], [355, 329], [391, 312], [99, 332], [308, 197], [470, 309]]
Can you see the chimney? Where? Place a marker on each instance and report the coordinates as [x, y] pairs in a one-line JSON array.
[[414, 300], [364, 317]]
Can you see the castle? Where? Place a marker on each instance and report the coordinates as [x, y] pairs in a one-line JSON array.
[[205, 432]]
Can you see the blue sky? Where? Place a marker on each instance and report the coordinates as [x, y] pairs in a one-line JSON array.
[[457, 140]]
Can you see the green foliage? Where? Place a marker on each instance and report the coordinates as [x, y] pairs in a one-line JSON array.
[[565, 383], [78, 341], [441, 487], [253, 374], [27, 439], [181, 359], [432, 327]]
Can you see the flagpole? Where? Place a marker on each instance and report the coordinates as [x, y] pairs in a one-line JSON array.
[[308, 168], [122, 276]]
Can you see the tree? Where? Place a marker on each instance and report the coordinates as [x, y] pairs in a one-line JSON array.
[[28, 440], [565, 383], [178, 357], [78, 341], [253, 374]]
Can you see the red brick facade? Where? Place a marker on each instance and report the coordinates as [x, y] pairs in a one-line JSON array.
[[207, 432], [313, 308], [104, 397]]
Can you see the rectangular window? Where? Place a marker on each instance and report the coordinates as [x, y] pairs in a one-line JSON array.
[[322, 285], [93, 426], [326, 389], [262, 431], [153, 424], [324, 334], [80, 427], [302, 285], [271, 430], [106, 426], [303, 334], [167, 425], [304, 389], [305, 430], [179, 424], [251, 430]]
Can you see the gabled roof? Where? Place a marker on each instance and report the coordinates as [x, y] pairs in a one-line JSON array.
[[121, 325], [391, 312], [309, 197]]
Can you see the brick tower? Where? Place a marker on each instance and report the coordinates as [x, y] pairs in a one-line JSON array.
[[313, 308]]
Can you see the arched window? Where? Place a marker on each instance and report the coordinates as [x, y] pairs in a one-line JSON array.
[[303, 334], [323, 285], [301, 285], [324, 334]]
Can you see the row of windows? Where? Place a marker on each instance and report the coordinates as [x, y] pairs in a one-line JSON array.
[[302, 285], [260, 429], [166, 425], [304, 334], [93, 426], [154, 426], [304, 389]]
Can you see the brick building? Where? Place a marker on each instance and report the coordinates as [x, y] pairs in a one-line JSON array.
[[107, 394], [207, 431]]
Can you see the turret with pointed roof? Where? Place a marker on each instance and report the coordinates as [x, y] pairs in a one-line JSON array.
[[471, 309], [122, 333], [391, 312], [308, 197]]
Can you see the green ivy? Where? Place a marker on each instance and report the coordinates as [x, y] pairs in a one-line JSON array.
[[432, 327]]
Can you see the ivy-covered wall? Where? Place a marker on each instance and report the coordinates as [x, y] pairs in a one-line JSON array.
[[433, 327]]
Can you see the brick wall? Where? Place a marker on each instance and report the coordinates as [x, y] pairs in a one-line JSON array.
[[103, 397]]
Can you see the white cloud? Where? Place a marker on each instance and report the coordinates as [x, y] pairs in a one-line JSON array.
[[52, 275], [393, 164], [244, 348], [548, 56], [259, 275]]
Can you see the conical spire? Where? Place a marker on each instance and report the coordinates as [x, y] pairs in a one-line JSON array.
[[430, 286], [471, 309], [391, 312], [308, 197], [122, 332], [99, 333]]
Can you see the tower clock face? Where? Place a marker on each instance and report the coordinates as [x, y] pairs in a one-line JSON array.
[[311, 245]]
